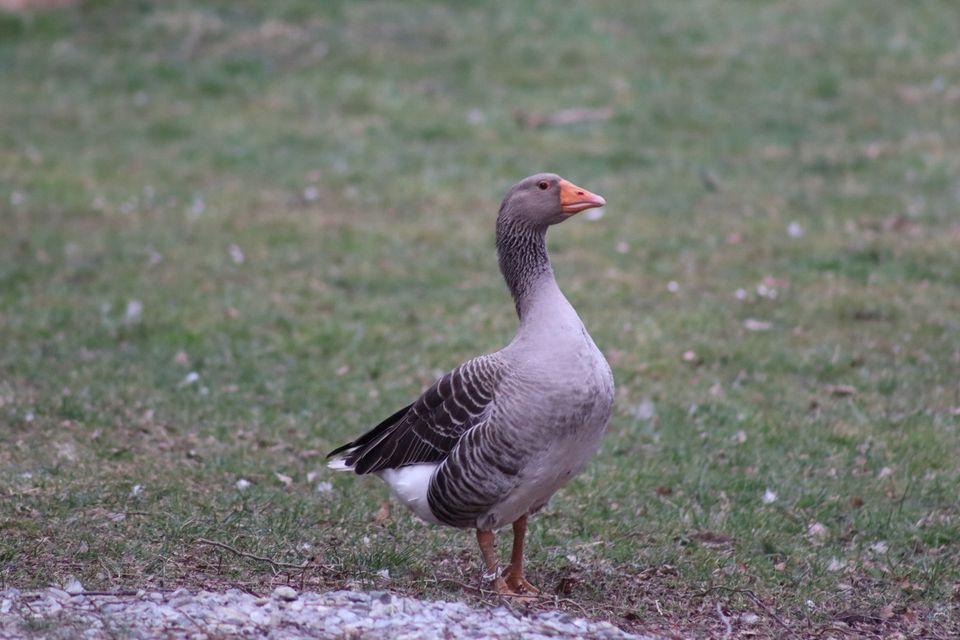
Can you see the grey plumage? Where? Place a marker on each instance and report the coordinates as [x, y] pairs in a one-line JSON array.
[[505, 430]]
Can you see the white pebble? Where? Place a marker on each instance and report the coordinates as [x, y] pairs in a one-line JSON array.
[[134, 311], [835, 564], [645, 411], [285, 593], [879, 547], [73, 586]]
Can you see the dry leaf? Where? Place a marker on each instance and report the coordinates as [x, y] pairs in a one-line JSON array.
[[752, 324], [712, 538], [533, 120], [285, 479], [383, 513], [816, 530], [749, 618], [710, 180], [841, 390]]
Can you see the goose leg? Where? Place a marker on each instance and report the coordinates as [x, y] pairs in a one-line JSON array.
[[485, 539], [514, 576]]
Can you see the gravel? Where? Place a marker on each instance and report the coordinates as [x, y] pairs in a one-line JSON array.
[[286, 615]]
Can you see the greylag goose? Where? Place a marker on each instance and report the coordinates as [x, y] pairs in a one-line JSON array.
[[491, 441]]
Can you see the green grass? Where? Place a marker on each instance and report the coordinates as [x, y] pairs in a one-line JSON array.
[[355, 154]]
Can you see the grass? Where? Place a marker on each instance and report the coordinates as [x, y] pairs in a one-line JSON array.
[[236, 234]]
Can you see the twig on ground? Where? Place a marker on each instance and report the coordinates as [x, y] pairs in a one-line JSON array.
[[725, 620], [462, 585], [750, 594], [525, 599], [276, 565], [505, 600], [586, 613], [833, 629], [486, 592]]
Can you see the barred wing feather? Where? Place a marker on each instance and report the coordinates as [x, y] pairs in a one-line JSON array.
[[427, 430]]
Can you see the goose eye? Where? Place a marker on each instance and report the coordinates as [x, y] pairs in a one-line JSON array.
[[543, 185]]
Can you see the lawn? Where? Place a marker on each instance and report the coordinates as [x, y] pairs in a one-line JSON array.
[[235, 234]]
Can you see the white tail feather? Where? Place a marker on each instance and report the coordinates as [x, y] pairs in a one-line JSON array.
[[340, 462]]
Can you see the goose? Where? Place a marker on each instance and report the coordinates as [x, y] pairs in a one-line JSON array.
[[491, 441]]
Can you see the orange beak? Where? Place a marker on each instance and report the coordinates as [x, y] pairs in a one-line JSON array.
[[573, 199]]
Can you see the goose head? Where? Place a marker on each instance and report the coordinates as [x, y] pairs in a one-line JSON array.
[[544, 199]]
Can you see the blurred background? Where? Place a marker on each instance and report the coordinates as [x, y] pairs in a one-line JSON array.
[[236, 233]]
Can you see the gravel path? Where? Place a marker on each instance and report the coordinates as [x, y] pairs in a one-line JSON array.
[[286, 615]]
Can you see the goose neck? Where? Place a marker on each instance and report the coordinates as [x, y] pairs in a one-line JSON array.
[[524, 262]]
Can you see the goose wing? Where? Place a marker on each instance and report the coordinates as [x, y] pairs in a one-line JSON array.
[[427, 430]]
